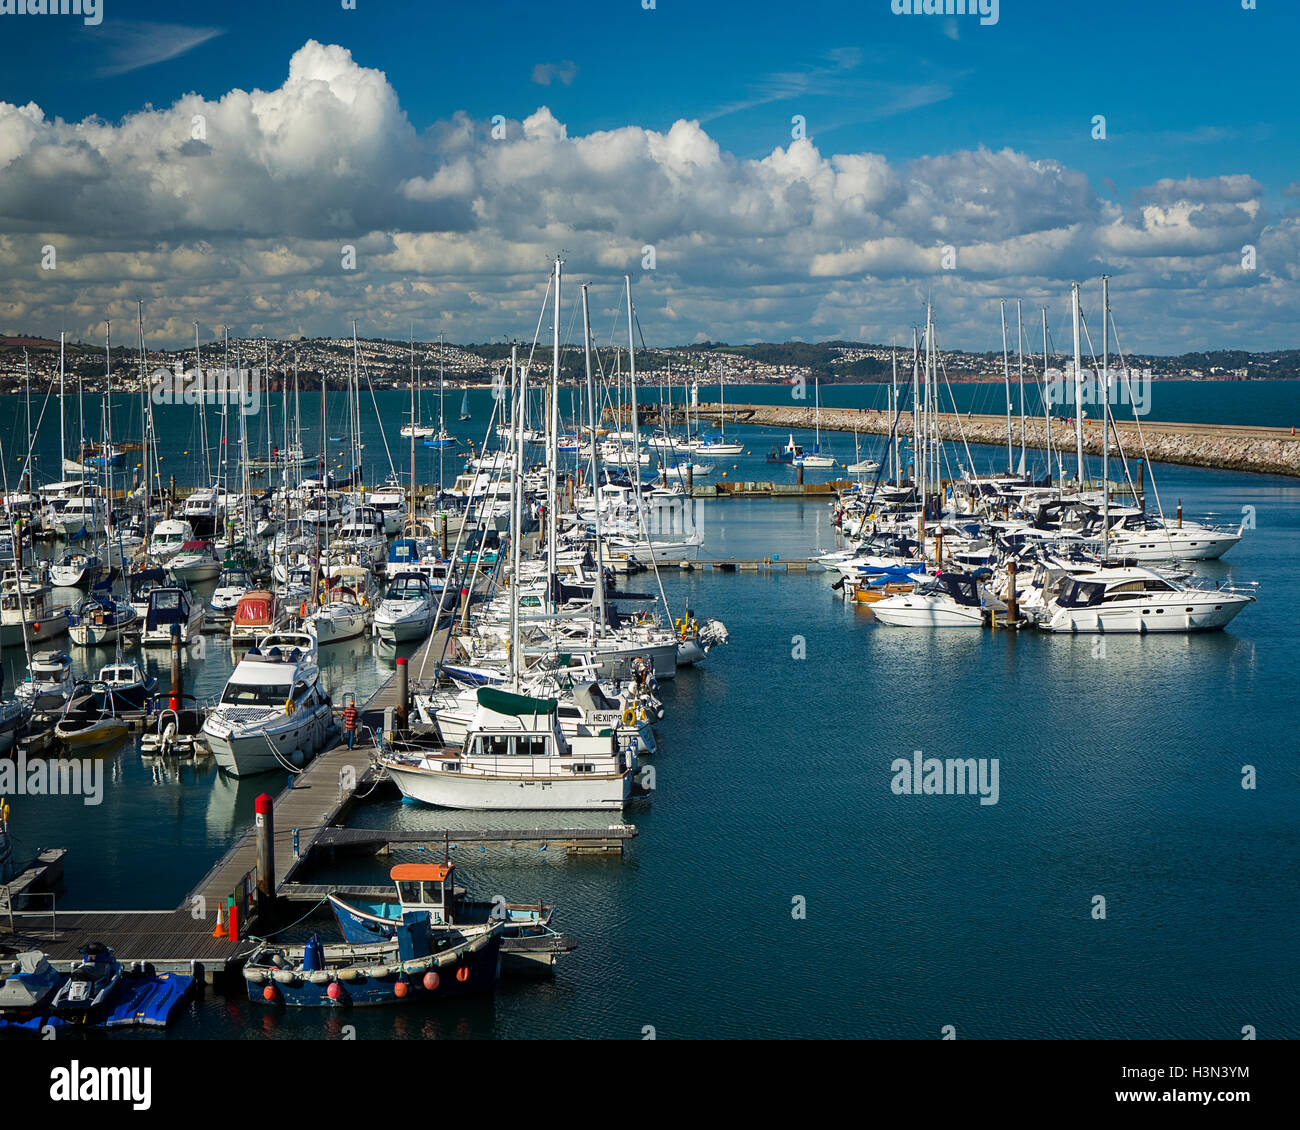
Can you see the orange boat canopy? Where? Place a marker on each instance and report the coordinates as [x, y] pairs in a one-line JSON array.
[[420, 872]]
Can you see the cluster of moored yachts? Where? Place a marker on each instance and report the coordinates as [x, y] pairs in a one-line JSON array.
[[1064, 560]]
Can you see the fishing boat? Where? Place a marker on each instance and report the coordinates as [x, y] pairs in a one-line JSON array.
[[89, 990], [516, 756], [98, 619], [428, 892], [407, 610], [1139, 600], [950, 600], [172, 609], [418, 967], [273, 713], [257, 613], [195, 561], [27, 986]]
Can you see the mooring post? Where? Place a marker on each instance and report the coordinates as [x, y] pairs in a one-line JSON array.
[[798, 474], [442, 535], [264, 818], [403, 694], [1180, 513], [1013, 606], [178, 687]]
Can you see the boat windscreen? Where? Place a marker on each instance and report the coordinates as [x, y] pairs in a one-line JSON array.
[[1080, 594]]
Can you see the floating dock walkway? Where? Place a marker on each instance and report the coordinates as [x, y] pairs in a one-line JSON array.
[[306, 814]]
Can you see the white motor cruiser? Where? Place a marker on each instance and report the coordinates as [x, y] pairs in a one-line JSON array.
[[408, 609], [273, 713], [950, 600], [517, 756], [1139, 600]]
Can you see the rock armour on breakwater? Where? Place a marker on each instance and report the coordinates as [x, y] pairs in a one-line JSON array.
[[1272, 451]]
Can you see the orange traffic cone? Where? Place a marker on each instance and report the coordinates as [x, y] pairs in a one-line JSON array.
[[220, 931]]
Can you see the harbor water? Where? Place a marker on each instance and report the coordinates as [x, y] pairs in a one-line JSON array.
[[778, 885]]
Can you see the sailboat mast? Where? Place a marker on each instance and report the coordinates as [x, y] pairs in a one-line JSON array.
[[1047, 401], [552, 445], [599, 588], [516, 504], [1006, 378], [63, 437], [1105, 417], [1020, 355], [1078, 385]]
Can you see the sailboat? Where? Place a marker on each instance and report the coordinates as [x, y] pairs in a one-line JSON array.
[[464, 407], [442, 438], [816, 458], [718, 445], [415, 428]]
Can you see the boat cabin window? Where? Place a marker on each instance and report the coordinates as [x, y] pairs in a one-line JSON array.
[[255, 694], [1080, 594], [166, 600]]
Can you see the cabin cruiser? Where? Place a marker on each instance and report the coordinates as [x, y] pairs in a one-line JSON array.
[[257, 613], [195, 561], [1139, 600], [344, 611], [128, 684], [27, 611], [408, 609], [172, 607], [203, 510], [168, 538], [99, 619], [233, 584], [1142, 537], [517, 756], [950, 600], [49, 683], [273, 713], [77, 517]]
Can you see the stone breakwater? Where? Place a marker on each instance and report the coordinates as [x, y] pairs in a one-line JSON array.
[[1270, 451]]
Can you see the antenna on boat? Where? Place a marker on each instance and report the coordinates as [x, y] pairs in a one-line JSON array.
[[446, 847]]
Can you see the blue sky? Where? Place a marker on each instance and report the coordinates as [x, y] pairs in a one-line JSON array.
[[1191, 92]]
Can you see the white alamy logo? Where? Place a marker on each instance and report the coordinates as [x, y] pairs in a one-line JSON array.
[[1118, 386], [208, 386], [987, 10], [53, 777], [951, 776], [75, 1083], [91, 11]]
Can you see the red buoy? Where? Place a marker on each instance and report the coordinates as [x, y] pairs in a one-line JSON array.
[[334, 991], [268, 994], [400, 989], [432, 980]]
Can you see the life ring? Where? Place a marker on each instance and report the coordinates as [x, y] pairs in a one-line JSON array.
[[288, 705], [629, 717]]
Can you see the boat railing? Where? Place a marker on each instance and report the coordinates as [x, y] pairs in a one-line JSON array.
[[7, 906]]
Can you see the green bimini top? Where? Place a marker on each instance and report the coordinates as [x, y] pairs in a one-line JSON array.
[[503, 702]]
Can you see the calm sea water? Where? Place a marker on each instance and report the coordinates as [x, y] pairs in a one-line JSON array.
[[1120, 776]]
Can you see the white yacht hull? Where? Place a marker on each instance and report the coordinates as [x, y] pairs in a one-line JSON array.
[[295, 741], [904, 611], [46, 628], [404, 629], [1173, 615], [447, 789]]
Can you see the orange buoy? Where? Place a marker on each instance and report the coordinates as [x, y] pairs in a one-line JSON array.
[[400, 989], [432, 980], [334, 991], [268, 994], [462, 974]]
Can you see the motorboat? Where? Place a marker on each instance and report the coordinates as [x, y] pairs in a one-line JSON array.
[[1136, 599], [343, 614], [99, 619], [408, 609], [273, 713], [418, 967], [28, 612], [49, 684], [232, 585], [195, 561], [517, 756], [90, 722], [257, 613], [428, 892], [950, 600], [169, 536], [172, 609], [128, 684]]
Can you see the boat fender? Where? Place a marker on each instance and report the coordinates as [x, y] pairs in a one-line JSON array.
[[254, 976], [629, 717], [643, 715], [335, 991], [448, 958], [285, 976], [320, 977], [269, 994], [349, 974], [415, 967], [288, 705], [400, 989], [379, 972], [432, 981]]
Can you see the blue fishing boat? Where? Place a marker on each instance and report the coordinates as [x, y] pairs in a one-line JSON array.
[[417, 967], [428, 892]]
